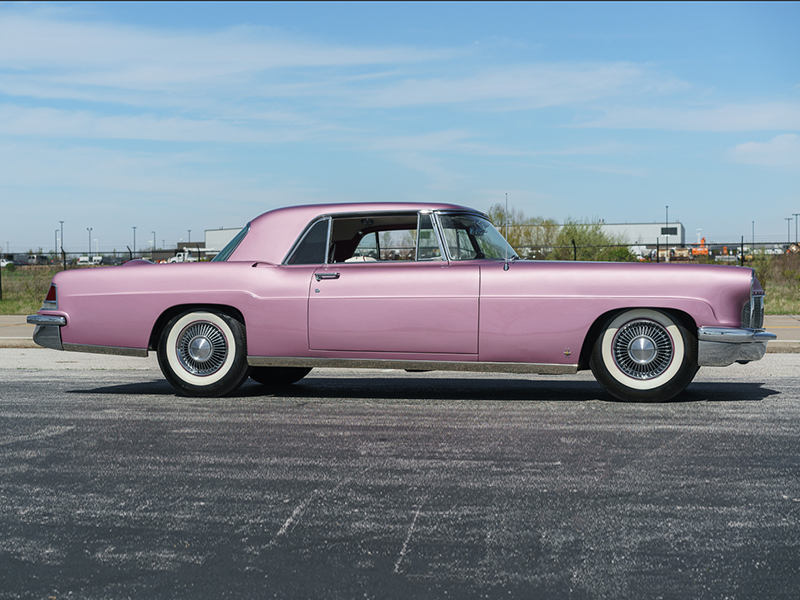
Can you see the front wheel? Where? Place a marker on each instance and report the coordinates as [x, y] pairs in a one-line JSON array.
[[644, 355], [204, 353]]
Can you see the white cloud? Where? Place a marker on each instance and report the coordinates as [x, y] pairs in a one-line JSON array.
[[30, 41], [58, 123], [768, 116], [525, 86], [780, 151]]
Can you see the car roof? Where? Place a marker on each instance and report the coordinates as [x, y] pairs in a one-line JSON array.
[[273, 233]]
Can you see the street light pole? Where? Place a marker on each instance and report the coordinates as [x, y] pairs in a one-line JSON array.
[[788, 230], [795, 226], [134, 241], [154, 240], [667, 231], [62, 245], [89, 229]]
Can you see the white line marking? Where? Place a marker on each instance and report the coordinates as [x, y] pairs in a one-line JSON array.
[[404, 549], [38, 435], [294, 516]]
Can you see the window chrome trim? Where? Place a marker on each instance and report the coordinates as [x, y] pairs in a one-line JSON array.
[[435, 226]]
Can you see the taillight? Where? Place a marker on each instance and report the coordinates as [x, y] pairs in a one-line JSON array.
[[51, 301]]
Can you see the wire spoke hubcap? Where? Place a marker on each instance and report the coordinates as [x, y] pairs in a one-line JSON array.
[[643, 349], [202, 348]]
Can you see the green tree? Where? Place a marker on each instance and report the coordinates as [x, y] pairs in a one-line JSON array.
[[590, 243], [530, 237]]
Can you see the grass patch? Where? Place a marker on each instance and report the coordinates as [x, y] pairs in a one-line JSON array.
[[24, 288]]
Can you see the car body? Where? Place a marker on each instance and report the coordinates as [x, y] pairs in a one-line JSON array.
[[416, 286]]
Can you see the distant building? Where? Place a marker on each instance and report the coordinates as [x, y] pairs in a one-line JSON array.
[[217, 239], [647, 234]]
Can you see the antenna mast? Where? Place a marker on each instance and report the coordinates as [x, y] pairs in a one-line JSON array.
[[506, 216]]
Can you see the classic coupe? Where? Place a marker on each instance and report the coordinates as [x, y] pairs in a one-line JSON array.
[[411, 286]]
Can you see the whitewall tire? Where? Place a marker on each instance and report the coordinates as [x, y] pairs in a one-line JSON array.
[[644, 355], [204, 353]]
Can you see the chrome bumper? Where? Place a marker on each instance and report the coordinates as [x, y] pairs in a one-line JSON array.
[[723, 346], [48, 330]]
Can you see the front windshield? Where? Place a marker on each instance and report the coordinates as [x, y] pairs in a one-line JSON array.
[[471, 237]]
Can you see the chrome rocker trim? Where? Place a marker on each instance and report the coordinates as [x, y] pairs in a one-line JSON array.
[[412, 365], [723, 346], [111, 350]]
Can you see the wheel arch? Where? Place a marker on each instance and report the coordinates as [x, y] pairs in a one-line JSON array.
[[598, 326], [173, 311]]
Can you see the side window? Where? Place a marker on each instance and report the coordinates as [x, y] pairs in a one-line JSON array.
[[459, 244], [427, 244], [311, 249], [374, 238]]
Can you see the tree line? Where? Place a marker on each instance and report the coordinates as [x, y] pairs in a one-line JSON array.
[[544, 239]]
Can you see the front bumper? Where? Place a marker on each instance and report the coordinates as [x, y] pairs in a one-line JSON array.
[[48, 330], [723, 346]]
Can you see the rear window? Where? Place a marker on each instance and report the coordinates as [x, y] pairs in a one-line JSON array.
[[231, 246]]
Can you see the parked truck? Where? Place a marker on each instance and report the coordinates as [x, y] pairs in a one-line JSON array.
[[184, 256]]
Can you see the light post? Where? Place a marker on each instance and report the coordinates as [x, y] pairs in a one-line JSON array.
[[666, 229], [89, 229], [789, 230], [134, 241], [190, 236], [62, 244], [154, 240], [55, 246], [795, 226]]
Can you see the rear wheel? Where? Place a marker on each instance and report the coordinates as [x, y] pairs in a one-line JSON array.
[[644, 355], [204, 353], [278, 375]]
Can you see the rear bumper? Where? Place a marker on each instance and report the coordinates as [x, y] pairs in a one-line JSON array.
[[723, 346], [48, 330]]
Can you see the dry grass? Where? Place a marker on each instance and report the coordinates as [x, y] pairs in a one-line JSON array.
[[24, 288], [780, 277]]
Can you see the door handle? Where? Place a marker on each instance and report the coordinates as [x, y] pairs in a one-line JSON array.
[[321, 276]]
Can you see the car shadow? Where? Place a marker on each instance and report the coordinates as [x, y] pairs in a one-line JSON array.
[[469, 389]]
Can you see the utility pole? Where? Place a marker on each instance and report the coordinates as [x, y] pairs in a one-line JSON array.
[[788, 230], [795, 226], [63, 254]]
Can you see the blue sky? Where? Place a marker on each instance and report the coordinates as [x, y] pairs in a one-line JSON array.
[[178, 116]]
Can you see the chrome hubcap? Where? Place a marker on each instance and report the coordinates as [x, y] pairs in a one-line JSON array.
[[202, 348], [642, 349]]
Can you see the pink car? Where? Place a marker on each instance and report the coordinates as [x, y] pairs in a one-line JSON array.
[[406, 286]]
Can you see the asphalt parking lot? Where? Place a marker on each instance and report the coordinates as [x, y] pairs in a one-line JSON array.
[[381, 484]]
